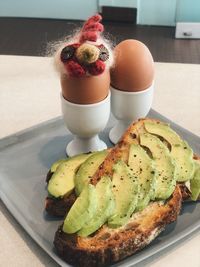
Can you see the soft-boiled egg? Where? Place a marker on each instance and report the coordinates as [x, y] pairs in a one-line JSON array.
[[85, 90], [133, 70], [84, 62]]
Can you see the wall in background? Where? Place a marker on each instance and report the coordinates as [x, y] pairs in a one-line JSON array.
[[119, 3], [156, 12], [61, 9], [150, 12], [188, 11]]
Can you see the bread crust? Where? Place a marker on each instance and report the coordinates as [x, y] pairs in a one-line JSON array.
[[107, 245], [59, 206]]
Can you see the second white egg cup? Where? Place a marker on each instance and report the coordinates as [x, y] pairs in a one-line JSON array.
[[128, 107], [85, 122]]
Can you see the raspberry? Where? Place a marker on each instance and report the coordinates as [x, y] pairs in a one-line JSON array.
[[96, 68], [74, 69], [91, 29]]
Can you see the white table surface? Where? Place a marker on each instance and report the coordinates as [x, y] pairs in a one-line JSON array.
[[29, 94]]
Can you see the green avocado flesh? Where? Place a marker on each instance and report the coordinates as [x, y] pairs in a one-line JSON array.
[[144, 170], [165, 180], [105, 207], [88, 169], [180, 150], [62, 180], [82, 210], [55, 165], [195, 183], [125, 190]]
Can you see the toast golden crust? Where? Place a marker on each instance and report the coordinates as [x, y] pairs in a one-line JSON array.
[[120, 151], [107, 245]]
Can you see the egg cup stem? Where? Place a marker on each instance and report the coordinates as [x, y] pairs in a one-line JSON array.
[[128, 107], [117, 131], [85, 122]]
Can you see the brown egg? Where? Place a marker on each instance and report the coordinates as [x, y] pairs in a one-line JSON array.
[[86, 90], [134, 67]]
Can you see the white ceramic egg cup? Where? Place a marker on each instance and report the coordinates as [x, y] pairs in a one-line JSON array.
[[85, 122], [128, 107]]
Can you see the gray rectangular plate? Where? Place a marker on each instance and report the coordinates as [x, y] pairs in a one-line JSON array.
[[25, 159]]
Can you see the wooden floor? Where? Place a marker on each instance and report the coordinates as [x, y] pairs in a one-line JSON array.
[[20, 36]]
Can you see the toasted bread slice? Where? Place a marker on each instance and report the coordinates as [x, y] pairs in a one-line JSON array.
[[59, 207], [107, 245]]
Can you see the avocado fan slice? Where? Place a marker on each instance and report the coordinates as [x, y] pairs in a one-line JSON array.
[[165, 180], [105, 207], [125, 190], [81, 211], [62, 180], [144, 170], [180, 150], [88, 169], [55, 165]]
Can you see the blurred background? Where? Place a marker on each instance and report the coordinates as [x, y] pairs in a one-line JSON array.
[[171, 29]]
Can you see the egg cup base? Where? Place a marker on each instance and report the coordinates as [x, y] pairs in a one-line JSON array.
[[84, 145]]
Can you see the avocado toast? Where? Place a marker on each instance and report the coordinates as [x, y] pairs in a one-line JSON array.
[[147, 187], [61, 198]]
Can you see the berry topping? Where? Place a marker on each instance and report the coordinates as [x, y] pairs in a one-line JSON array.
[[67, 53], [91, 29], [104, 54], [96, 68], [87, 53], [74, 69]]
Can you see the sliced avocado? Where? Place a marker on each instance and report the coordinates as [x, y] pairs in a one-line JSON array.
[[165, 180], [125, 190], [82, 210], [105, 207], [53, 168], [55, 165], [62, 181], [88, 169], [143, 169], [195, 182], [180, 150]]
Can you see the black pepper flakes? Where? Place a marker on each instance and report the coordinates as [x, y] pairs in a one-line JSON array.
[[133, 135]]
